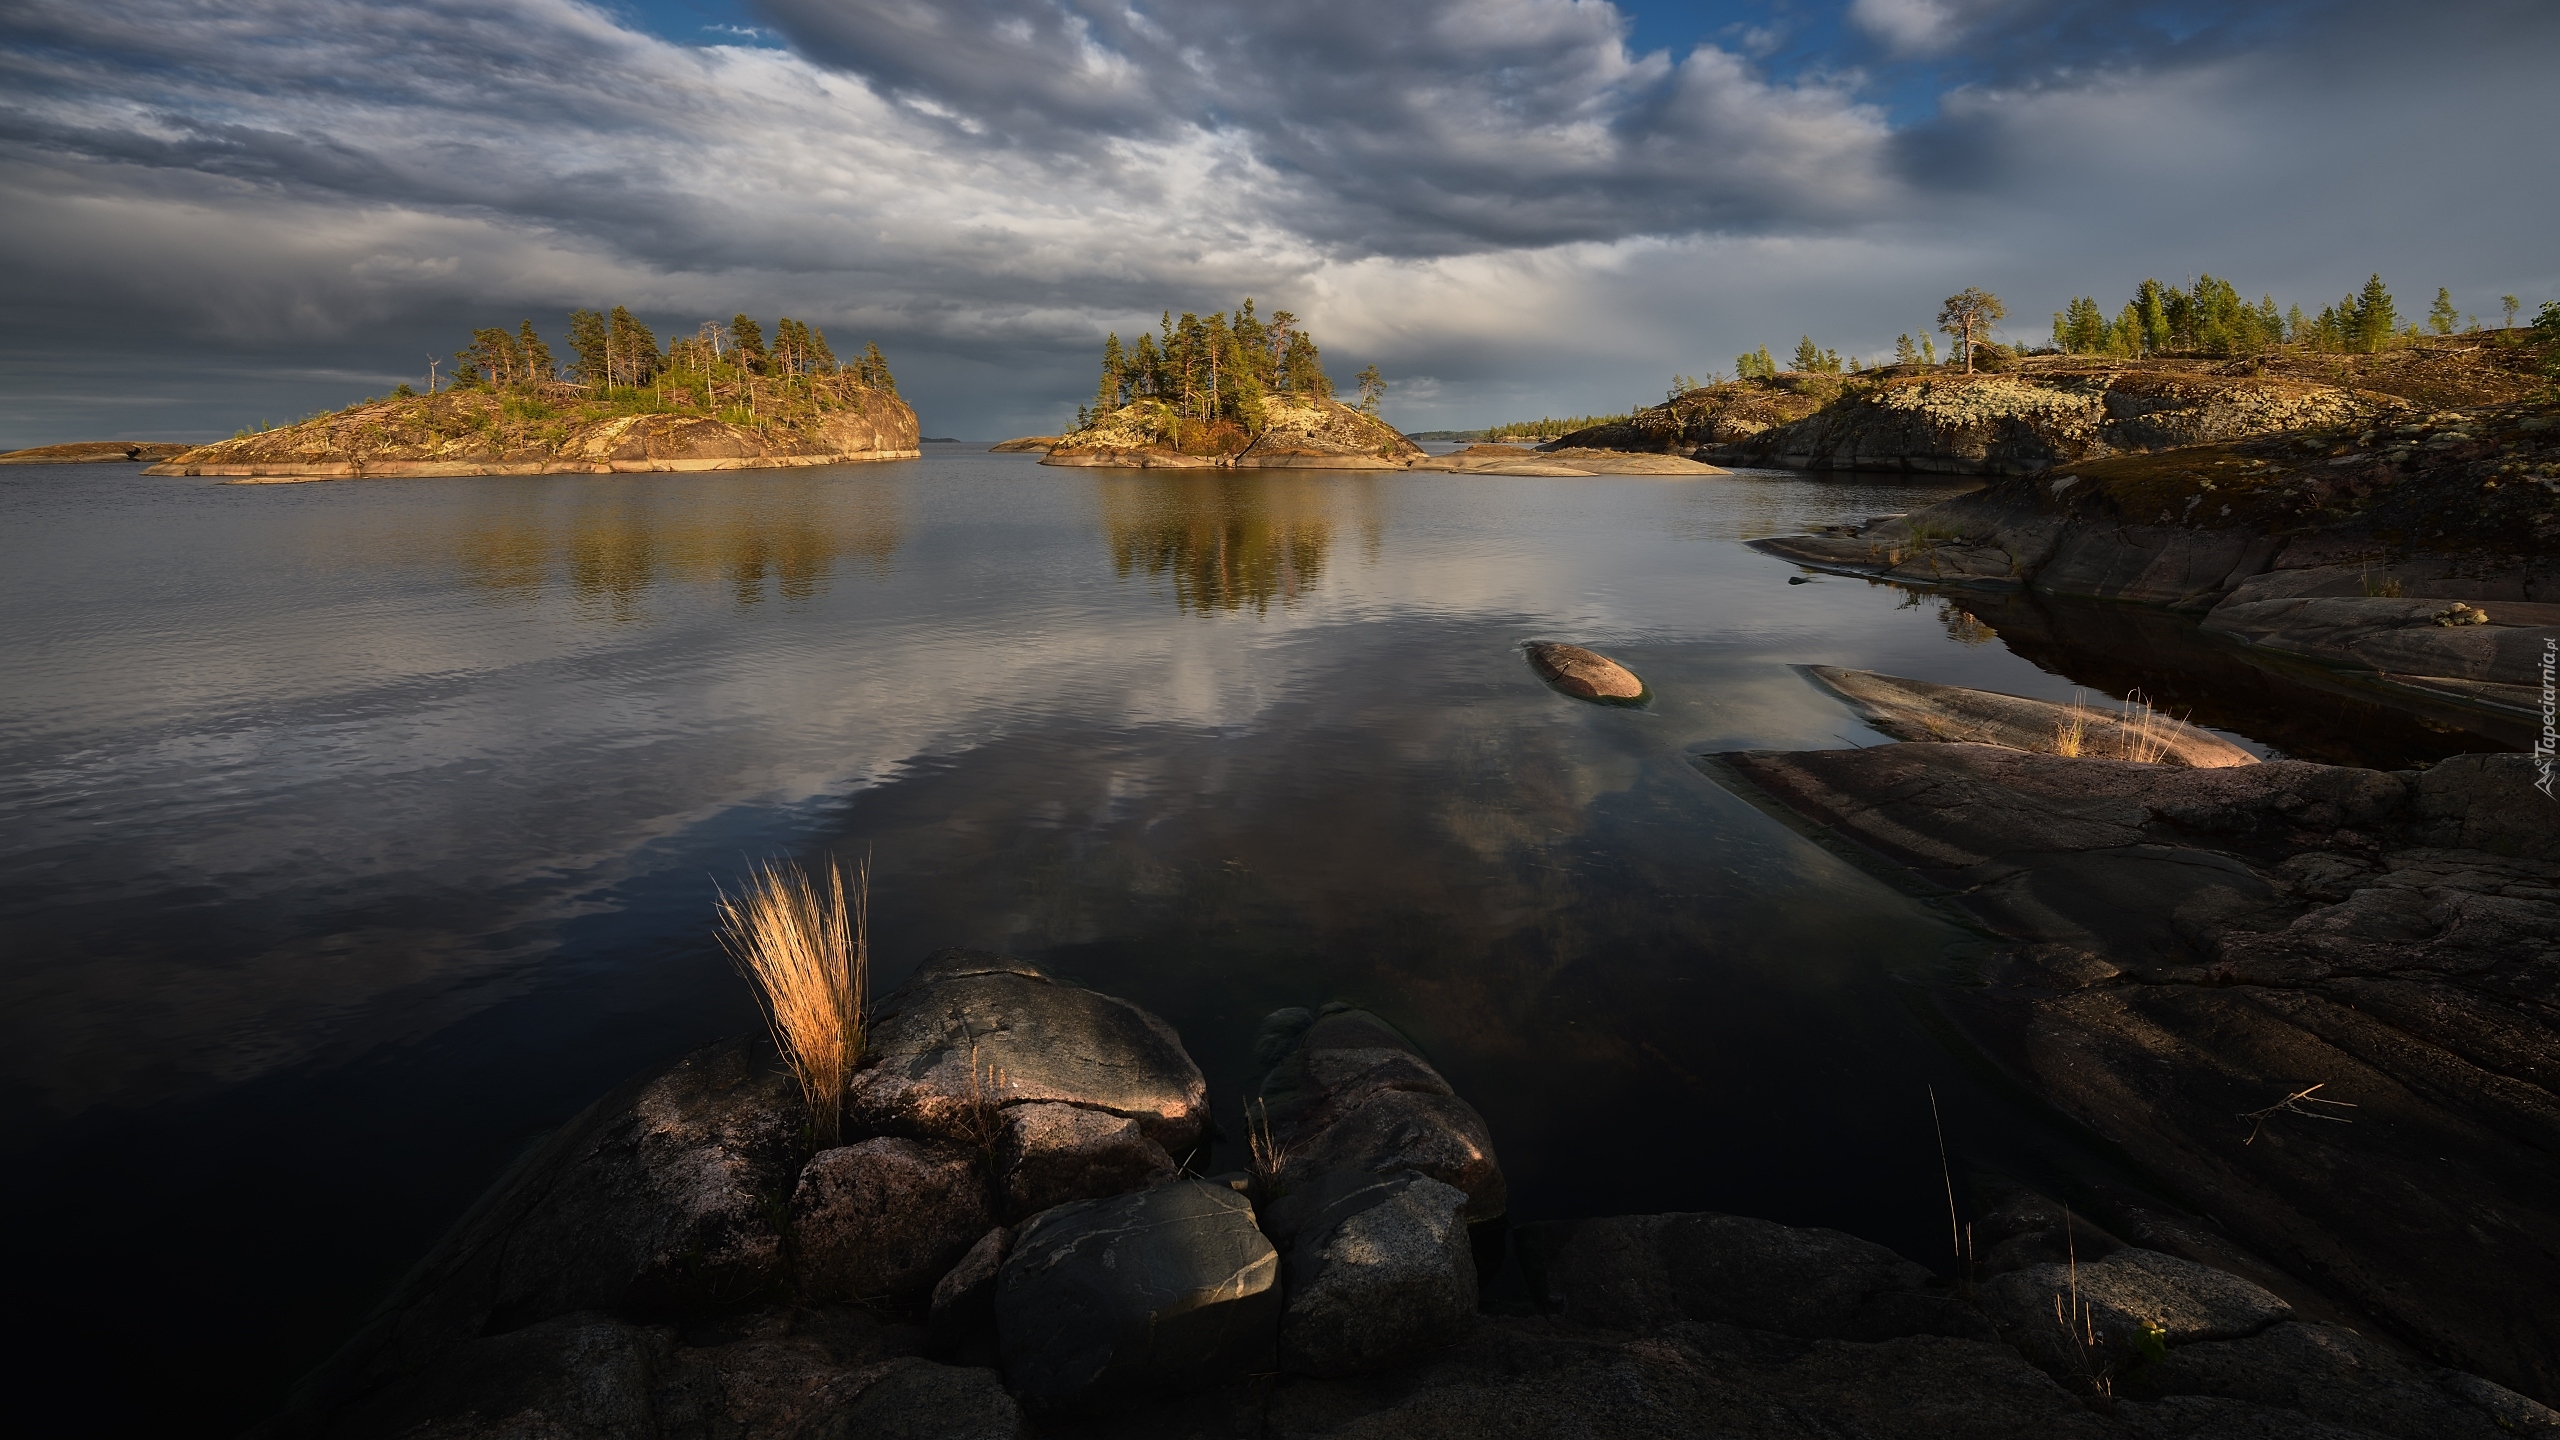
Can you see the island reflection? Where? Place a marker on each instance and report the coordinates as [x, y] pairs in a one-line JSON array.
[[611, 545], [1231, 540]]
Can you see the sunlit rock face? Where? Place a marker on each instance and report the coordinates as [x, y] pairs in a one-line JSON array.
[[1293, 432]]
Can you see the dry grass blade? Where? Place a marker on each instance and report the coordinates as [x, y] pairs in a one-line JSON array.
[[1268, 1153], [809, 954], [2294, 1104]]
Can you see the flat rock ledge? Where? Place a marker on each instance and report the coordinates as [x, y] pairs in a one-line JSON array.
[[94, 452], [640, 1274], [2180, 950], [1923, 710]]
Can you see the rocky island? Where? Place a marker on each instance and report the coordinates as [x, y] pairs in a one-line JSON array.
[[720, 399]]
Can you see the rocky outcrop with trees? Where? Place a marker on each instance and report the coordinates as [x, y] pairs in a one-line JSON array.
[[723, 398], [1242, 391]]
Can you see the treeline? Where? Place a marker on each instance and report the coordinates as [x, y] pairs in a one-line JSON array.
[[2210, 318], [2207, 318], [614, 350], [1220, 368]]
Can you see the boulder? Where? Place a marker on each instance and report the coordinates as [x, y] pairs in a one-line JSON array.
[[1585, 674], [1377, 1268], [659, 1199], [1167, 1289], [971, 1033], [1344, 1091], [1050, 1154], [1644, 1272], [1922, 710], [962, 1322], [2330, 1374], [885, 1218], [2116, 1312]]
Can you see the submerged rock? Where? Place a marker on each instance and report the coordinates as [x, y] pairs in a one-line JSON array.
[[972, 1033], [885, 1218], [1165, 1290], [92, 452], [1921, 710], [1585, 674]]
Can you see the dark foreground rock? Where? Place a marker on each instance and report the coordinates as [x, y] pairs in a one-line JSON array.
[[660, 1199], [1166, 1290], [1379, 1267], [2190, 947], [885, 1218], [972, 1033]]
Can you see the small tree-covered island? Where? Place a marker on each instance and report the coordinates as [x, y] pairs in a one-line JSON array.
[[722, 398], [1245, 391]]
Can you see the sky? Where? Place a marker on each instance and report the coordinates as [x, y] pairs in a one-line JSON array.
[[218, 214]]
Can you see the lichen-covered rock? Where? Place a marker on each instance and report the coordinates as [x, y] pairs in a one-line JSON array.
[[1049, 1154], [971, 1033], [885, 1218], [2019, 424], [1165, 1290], [1377, 1269]]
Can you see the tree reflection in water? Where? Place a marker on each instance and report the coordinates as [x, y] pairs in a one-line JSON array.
[[1233, 540], [613, 541]]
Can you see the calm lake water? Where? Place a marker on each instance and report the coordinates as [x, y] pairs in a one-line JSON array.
[[353, 834]]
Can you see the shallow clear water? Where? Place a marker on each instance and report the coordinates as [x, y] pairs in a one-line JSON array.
[[352, 834]]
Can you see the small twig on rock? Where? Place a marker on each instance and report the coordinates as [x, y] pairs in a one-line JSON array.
[[2293, 1105]]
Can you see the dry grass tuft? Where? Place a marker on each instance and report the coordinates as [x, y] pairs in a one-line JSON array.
[[981, 1111], [1268, 1154], [2071, 732], [2148, 733], [809, 954]]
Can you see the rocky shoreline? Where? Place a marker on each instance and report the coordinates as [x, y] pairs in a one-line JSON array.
[[474, 432], [1017, 1239]]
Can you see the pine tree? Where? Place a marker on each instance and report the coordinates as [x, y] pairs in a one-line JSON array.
[[1808, 356], [1373, 390], [2376, 318], [2511, 305], [1106, 394], [747, 337], [1968, 317], [823, 360], [1903, 354], [538, 364], [591, 340], [634, 358], [2151, 317], [2295, 325], [2441, 316], [875, 369]]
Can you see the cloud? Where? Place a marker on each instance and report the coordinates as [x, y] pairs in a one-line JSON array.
[[1510, 197]]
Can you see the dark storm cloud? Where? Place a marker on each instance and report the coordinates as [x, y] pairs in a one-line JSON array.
[[1423, 129], [1495, 198]]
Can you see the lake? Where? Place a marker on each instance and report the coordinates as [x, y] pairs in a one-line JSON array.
[[354, 834]]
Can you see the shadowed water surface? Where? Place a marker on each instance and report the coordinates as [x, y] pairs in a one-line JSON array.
[[356, 833]]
